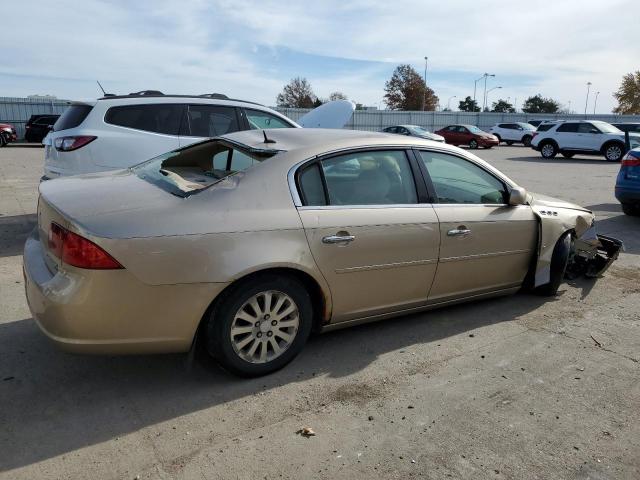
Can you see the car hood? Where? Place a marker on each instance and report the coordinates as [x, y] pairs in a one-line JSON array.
[[539, 200]]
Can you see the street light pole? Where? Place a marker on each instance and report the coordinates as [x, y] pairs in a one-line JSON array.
[[484, 102], [595, 102], [475, 83], [448, 102], [586, 102], [424, 96], [569, 106], [486, 95]]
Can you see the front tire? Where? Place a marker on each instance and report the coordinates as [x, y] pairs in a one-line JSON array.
[[548, 150], [260, 325], [559, 261], [3, 142], [613, 152], [473, 144]]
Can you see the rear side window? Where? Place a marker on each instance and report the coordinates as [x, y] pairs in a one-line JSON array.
[[568, 127], [259, 120], [311, 186], [157, 118], [72, 117], [211, 120]]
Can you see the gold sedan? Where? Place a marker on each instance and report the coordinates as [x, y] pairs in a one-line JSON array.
[[250, 241]]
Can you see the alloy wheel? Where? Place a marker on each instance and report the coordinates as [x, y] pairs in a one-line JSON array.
[[613, 153], [265, 326], [548, 150]]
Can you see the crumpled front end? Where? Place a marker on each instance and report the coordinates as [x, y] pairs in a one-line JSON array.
[[591, 254]]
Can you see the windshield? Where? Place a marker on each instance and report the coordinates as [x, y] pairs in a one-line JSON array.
[[418, 130], [192, 169], [526, 126], [474, 129], [606, 127]]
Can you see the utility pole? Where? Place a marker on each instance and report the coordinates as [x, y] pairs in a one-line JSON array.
[[595, 102], [586, 102], [424, 95], [569, 109]]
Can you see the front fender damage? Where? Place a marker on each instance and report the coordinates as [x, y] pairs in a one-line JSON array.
[[591, 254]]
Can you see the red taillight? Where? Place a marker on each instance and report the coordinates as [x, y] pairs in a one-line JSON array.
[[79, 252], [630, 161], [67, 144]]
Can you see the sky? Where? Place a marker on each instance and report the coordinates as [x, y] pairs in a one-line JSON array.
[[250, 49]]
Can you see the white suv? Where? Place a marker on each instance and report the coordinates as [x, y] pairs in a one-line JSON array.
[[515, 132], [117, 132], [590, 137]]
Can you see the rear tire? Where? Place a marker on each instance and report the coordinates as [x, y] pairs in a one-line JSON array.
[[613, 152], [548, 150], [558, 267], [631, 209], [526, 140], [473, 144], [499, 139], [3, 142], [281, 337]]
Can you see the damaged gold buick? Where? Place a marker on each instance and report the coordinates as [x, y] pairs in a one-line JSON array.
[[248, 242]]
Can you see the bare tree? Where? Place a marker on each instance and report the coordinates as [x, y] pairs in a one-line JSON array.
[[297, 94], [337, 96]]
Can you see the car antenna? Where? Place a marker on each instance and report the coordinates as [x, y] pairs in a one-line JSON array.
[[103, 92], [267, 140]]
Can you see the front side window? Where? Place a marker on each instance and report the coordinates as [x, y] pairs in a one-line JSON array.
[[259, 120], [157, 118], [211, 120], [456, 180], [360, 178], [568, 127]]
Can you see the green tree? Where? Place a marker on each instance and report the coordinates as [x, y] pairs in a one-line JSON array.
[[539, 104], [628, 95], [502, 106], [297, 94], [468, 105], [406, 90]]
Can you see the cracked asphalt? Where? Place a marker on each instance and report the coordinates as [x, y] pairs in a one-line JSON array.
[[520, 387]]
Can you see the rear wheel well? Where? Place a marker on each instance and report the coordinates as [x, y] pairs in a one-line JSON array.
[[549, 140], [609, 143], [310, 284]]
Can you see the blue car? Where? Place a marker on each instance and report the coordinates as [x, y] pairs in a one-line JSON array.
[[628, 182]]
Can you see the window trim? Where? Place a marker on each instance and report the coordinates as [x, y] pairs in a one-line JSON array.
[[293, 178], [429, 182]]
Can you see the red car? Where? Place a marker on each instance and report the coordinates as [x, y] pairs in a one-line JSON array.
[[7, 134], [468, 135]]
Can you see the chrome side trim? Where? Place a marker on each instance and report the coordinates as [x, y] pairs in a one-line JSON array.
[[483, 255], [422, 308], [384, 266]]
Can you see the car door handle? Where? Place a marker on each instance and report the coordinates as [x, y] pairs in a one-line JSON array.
[[340, 237], [461, 231]]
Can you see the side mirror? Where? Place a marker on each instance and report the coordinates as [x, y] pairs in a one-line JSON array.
[[518, 196]]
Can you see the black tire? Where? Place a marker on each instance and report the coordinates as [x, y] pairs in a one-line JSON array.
[[613, 151], [3, 142], [548, 149], [473, 143], [568, 154], [559, 262], [631, 209], [526, 140], [498, 137], [218, 327], [509, 142]]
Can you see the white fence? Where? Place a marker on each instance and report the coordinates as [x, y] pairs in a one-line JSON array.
[[18, 110]]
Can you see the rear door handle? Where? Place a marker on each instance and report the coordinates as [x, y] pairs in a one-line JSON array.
[[340, 237], [461, 231]]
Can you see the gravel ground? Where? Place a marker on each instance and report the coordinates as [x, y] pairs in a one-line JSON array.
[[515, 387]]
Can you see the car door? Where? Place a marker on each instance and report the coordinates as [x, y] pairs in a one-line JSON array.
[[452, 135], [464, 135], [372, 239], [590, 137], [203, 121], [485, 244], [566, 134]]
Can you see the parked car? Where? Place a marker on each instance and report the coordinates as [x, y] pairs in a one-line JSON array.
[[7, 134], [468, 135], [591, 137], [248, 242], [120, 131], [628, 183], [631, 127], [536, 123], [38, 126], [414, 131], [515, 132]]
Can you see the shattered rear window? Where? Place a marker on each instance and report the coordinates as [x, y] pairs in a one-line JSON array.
[[197, 167]]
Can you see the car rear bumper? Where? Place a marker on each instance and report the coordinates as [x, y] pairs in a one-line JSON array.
[[111, 311], [628, 195]]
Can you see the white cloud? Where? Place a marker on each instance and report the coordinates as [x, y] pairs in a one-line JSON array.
[[203, 46]]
